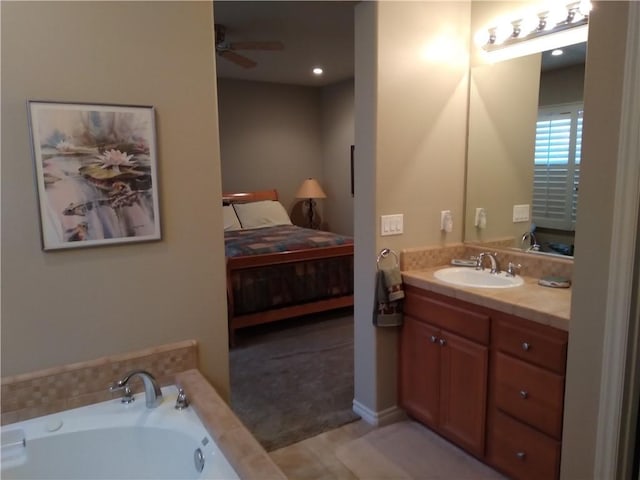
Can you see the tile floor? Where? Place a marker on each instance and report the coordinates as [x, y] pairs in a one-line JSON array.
[[402, 451]]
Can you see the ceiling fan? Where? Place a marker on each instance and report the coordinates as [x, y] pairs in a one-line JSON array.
[[227, 50]]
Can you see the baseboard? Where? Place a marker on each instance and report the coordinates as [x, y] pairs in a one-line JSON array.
[[379, 419]]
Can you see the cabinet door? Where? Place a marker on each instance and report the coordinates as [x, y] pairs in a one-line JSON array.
[[419, 370], [463, 391]]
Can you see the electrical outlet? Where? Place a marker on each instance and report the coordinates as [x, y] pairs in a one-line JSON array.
[[391, 224], [520, 213]]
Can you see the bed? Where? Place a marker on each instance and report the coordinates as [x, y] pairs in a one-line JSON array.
[[276, 270]]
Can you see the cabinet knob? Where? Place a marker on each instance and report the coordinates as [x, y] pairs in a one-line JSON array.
[[524, 394], [443, 342], [433, 339], [521, 455], [526, 346]]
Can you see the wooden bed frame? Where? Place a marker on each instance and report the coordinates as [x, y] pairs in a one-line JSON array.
[[248, 262]]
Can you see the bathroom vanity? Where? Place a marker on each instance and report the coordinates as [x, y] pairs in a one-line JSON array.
[[485, 368]]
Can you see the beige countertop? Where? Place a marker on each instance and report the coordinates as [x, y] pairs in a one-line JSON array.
[[548, 306]]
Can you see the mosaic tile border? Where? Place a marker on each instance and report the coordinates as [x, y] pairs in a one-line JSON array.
[[532, 265], [75, 385]]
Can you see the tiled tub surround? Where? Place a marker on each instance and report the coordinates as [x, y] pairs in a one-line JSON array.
[[70, 386], [548, 306], [83, 383]]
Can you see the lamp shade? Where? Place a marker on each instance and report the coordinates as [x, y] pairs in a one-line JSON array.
[[310, 188]]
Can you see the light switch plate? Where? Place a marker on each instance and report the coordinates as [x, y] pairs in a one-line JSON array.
[[391, 224], [520, 213]]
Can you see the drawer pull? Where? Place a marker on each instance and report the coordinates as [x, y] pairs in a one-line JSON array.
[[433, 339], [524, 394], [521, 455], [526, 346], [443, 342]]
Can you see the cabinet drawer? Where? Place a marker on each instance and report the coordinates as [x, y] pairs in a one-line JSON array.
[[529, 393], [449, 314], [522, 452], [539, 344]]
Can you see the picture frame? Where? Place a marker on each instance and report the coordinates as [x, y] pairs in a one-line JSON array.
[[96, 172], [351, 168]]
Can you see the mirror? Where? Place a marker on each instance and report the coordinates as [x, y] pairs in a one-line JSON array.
[[504, 103]]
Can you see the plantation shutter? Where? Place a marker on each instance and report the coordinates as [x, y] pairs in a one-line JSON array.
[[557, 166]]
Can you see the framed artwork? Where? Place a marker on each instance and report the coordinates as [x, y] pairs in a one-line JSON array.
[[96, 173], [352, 149]]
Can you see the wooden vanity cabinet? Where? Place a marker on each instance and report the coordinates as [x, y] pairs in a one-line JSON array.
[[490, 382], [444, 358], [526, 398]]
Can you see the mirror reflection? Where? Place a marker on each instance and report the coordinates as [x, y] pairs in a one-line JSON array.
[[524, 146]]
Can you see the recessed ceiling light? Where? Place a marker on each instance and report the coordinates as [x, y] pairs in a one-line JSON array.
[[557, 52], [317, 71]]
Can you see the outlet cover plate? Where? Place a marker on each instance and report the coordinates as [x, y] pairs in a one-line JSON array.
[[520, 213], [391, 224]]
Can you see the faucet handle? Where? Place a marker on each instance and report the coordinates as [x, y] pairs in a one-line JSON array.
[[182, 401], [127, 394], [513, 268]]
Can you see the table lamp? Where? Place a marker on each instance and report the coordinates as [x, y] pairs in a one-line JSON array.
[[309, 190]]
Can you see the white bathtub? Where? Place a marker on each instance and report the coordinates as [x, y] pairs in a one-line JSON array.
[[112, 440]]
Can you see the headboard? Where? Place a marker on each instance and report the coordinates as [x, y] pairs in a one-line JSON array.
[[244, 197]]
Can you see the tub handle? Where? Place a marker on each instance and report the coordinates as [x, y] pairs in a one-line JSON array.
[[182, 401], [127, 394]]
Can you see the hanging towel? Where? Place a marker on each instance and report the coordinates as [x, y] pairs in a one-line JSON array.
[[393, 283], [388, 298]]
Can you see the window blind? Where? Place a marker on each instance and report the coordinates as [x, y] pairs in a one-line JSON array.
[[557, 166]]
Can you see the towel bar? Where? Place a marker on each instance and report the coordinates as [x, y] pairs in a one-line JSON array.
[[384, 253]]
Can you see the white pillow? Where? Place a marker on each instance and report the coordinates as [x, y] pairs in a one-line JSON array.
[[265, 213], [230, 218]]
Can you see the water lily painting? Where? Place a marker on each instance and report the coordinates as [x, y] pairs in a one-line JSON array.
[[96, 173]]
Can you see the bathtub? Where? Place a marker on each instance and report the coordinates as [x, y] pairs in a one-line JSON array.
[[112, 440]]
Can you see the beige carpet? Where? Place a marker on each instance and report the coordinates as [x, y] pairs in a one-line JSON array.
[[293, 380], [408, 451]]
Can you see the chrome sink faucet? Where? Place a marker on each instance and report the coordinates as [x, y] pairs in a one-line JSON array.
[[492, 259], [152, 392], [533, 242]]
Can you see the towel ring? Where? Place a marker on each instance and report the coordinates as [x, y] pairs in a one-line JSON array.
[[384, 253]]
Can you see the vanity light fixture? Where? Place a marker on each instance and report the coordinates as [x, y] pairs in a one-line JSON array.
[[317, 71], [538, 34]]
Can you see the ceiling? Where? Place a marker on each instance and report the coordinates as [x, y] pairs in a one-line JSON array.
[[313, 33], [572, 55]]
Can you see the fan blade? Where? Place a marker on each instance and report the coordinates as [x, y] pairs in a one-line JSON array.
[[238, 59], [256, 46]]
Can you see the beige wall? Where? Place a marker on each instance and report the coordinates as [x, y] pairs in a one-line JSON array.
[[563, 85], [337, 138], [270, 137], [602, 100], [503, 109], [68, 306], [275, 135], [411, 104]]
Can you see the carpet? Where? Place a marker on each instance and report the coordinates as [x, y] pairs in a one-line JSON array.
[[294, 379]]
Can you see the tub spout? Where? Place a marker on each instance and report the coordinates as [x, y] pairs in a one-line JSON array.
[[152, 392]]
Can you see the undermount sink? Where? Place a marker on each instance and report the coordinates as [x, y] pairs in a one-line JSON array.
[[470, 277]]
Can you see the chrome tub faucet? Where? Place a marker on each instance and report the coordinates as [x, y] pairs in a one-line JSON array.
[[152, 392]]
